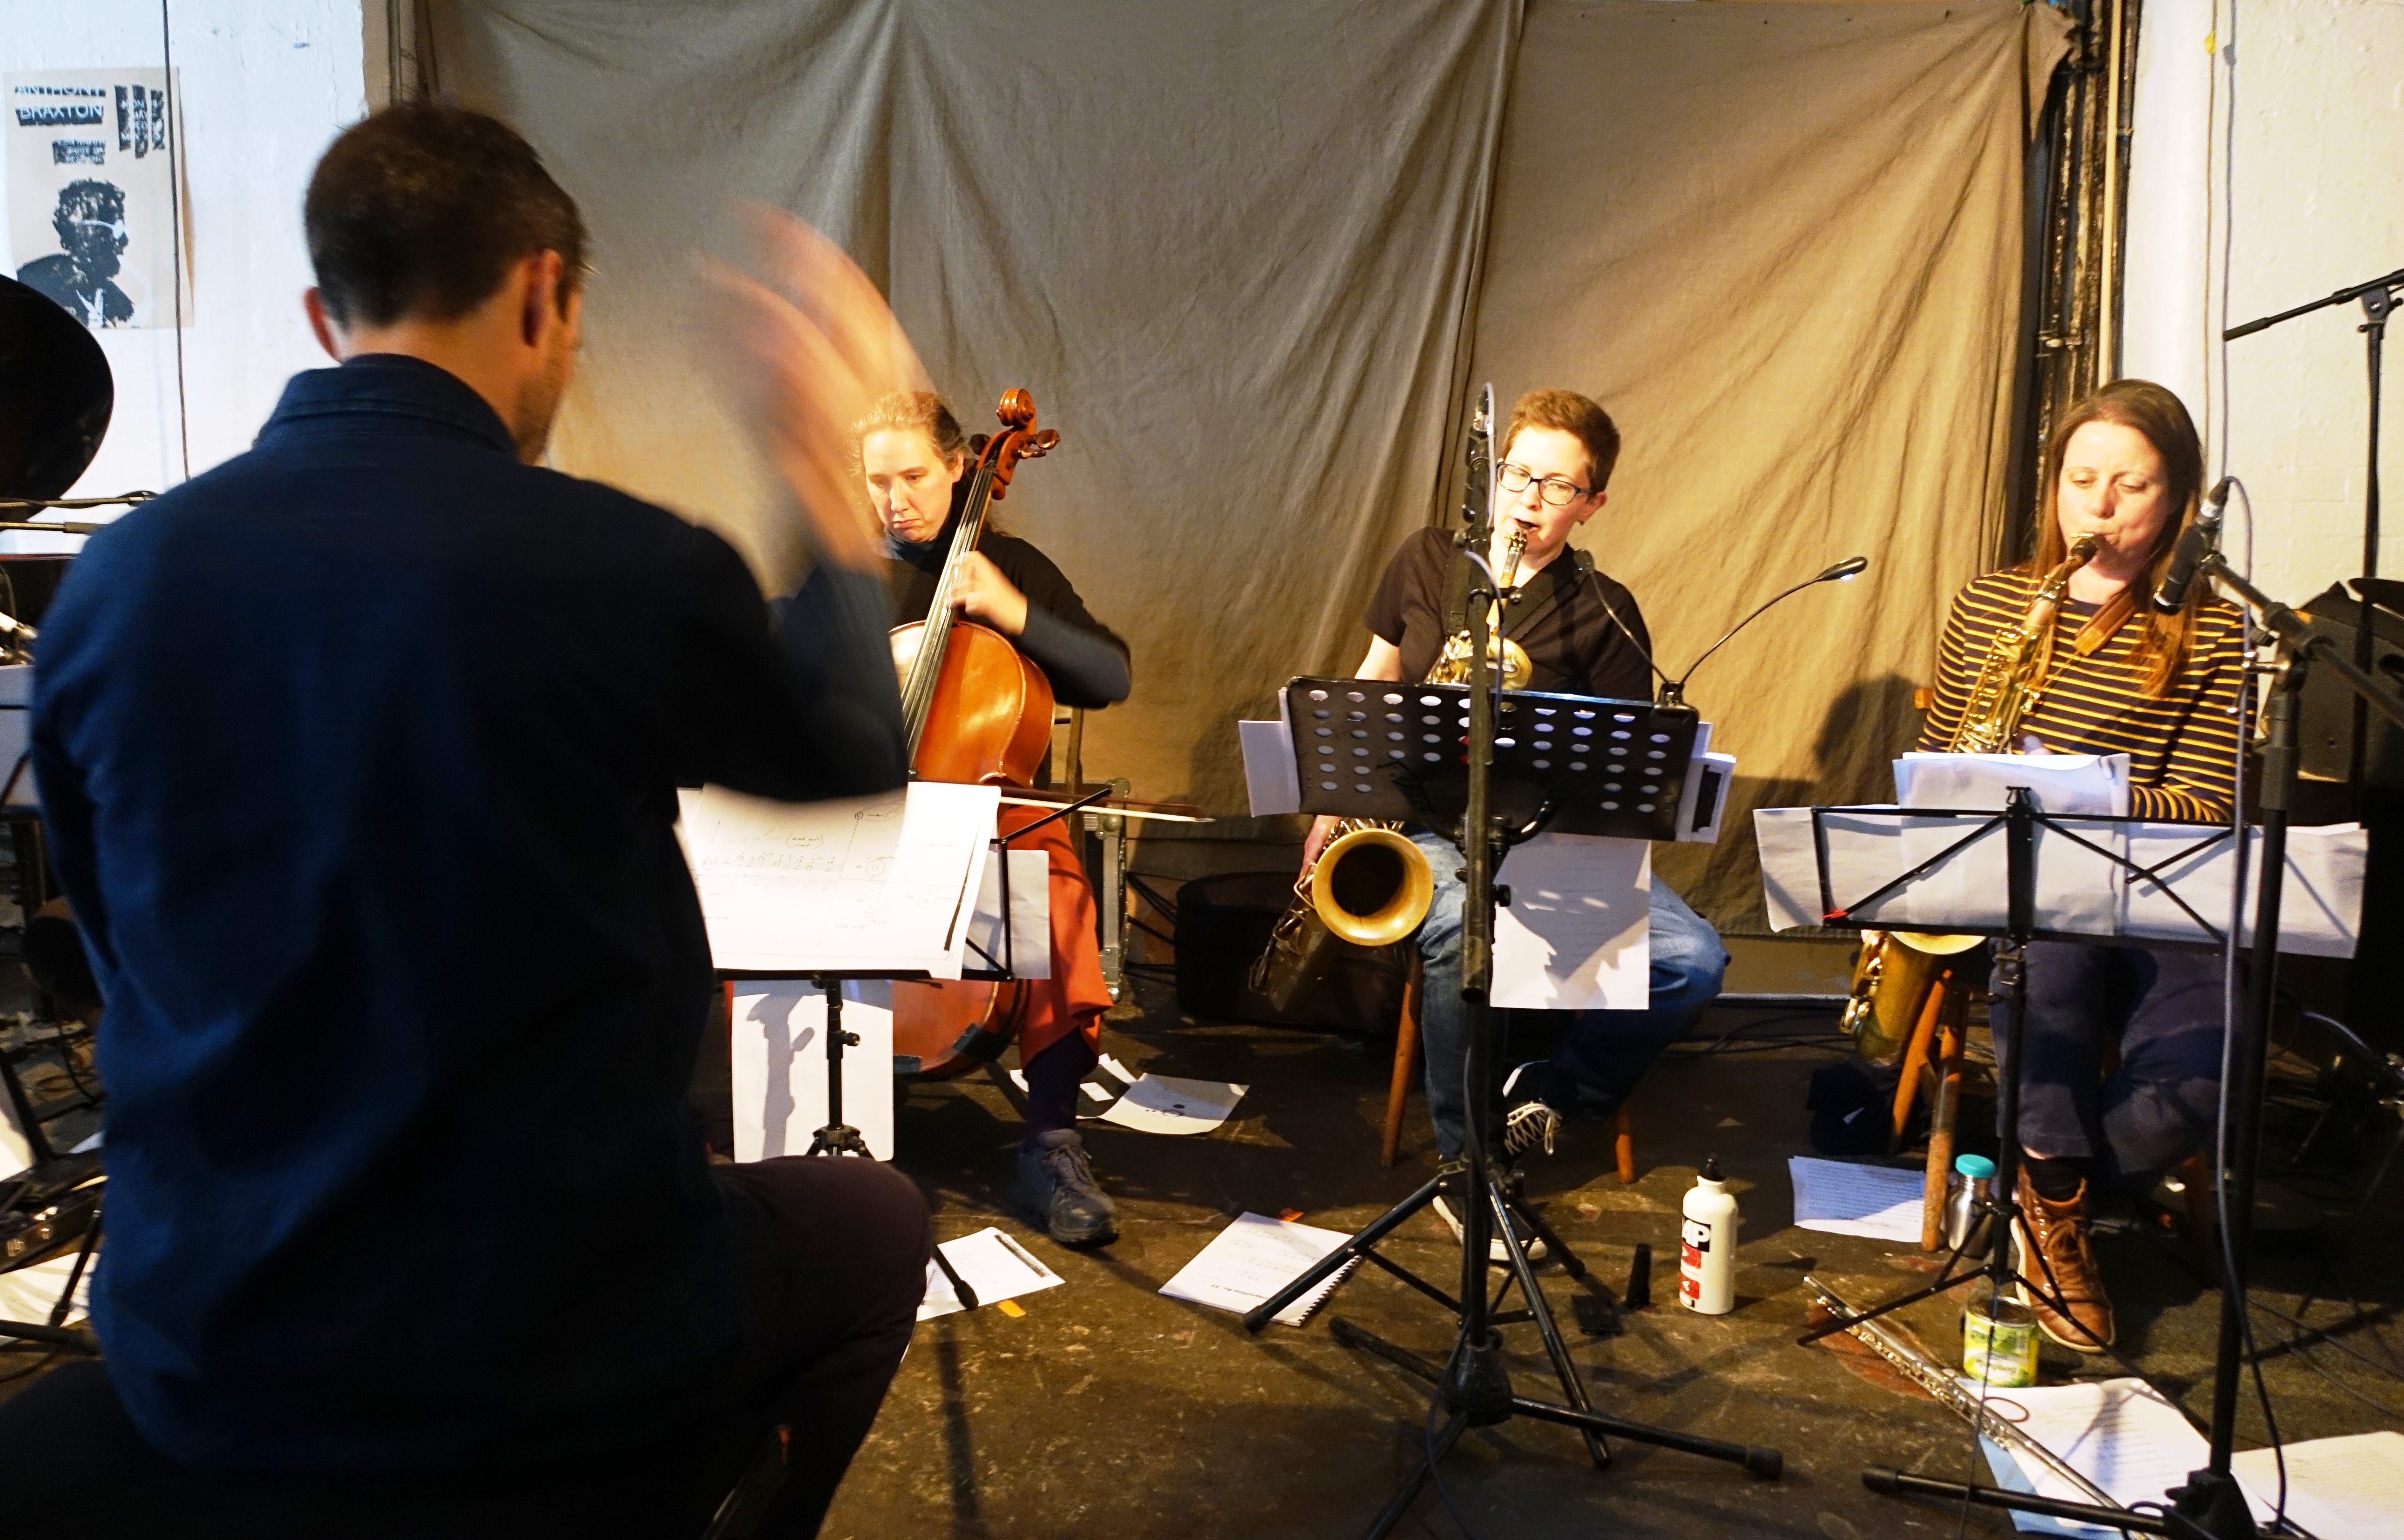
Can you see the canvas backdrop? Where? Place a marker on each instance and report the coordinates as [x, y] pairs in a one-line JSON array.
[[1250, 258]]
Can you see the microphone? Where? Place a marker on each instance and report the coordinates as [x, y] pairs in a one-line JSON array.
[[1674, 691], [2187, 557]]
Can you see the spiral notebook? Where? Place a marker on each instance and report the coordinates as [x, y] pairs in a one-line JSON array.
[[1253, 1259]]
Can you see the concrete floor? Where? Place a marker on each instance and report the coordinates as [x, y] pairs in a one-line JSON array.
[[1108, 1409]]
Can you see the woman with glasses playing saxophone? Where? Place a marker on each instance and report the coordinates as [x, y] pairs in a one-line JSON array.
[[2066, 656], [1565, 627]]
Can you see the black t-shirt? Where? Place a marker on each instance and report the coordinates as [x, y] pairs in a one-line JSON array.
[[1563, 618], [1079, 677]]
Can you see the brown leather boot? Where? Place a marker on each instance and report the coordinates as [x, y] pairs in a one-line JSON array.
[[2056, 1234]]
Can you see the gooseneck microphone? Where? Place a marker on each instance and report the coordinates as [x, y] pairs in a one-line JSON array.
[[1674, 691], [2187, 557]]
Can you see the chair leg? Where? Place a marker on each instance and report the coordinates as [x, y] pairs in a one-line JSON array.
[[1406, 1055], [2203, 1212], [1623, 1144], [1916, 1055], [1942, 1119]]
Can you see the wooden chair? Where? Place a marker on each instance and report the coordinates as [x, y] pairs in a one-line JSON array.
[[1405, 1070], [1934, 1053]]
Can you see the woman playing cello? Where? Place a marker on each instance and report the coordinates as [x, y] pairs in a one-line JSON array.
[[911, 456]]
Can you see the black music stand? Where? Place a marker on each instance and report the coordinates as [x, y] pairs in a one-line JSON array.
[[838, 1137], [2017, 823], [1498, 767], [2210, 1504]]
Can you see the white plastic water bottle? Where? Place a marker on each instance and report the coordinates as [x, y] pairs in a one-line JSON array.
[[1707, 1249]]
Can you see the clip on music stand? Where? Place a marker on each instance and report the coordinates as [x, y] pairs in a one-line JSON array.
[[838, 1137], [1499, 767]]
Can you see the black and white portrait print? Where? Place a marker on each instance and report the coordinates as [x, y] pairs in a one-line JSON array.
[[90, 205]]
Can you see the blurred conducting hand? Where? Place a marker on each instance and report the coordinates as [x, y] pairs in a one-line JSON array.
[[812, 345]]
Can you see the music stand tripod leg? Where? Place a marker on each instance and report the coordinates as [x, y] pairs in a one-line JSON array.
[[838, 1137]]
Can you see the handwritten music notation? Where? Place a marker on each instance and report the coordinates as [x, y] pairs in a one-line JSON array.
[[853, 885]]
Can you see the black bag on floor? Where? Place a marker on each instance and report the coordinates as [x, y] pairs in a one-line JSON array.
[[1223, 923]]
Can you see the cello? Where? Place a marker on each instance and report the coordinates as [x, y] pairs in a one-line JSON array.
[[978, 711]]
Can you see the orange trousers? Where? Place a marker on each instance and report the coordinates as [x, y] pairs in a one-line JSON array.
[[1073, 999]]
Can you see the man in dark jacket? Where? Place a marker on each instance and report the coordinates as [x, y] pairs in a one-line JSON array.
[[360, 755]]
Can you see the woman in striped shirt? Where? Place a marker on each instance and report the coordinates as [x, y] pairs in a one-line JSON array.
[[2126, 466]]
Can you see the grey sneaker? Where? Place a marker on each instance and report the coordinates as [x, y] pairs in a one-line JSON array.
[[1056, 1183], [1531, 1122]]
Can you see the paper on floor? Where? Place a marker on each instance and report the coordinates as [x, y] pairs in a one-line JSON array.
[[2120, 1434], [2340, 1488], [993, 1265], [28, 1294], [1838, 1197], [1253, 1259], [1164, 1104]]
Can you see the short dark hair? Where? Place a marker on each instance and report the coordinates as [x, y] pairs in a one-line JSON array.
[[1569, 412], [420, 209]]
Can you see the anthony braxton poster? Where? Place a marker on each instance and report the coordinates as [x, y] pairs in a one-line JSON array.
[[89, 206]]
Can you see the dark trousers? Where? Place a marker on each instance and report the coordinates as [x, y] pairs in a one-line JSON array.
[[2157, 1107], [1603, 1054], [833, 1255]]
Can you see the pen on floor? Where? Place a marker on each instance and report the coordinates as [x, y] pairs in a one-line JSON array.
[[1021, 1252]]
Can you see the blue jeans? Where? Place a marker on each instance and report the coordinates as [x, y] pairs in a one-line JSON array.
[[2159, 1106], [1604, 1053]]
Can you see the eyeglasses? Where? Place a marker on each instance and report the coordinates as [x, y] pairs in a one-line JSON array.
[[1559, 491]]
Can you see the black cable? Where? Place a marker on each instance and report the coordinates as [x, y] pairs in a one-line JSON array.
[[175, 229], [1436, 1469], [2231, 1273]]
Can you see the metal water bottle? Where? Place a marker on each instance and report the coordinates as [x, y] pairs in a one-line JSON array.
[[1707, 1249], [1965, 1202]]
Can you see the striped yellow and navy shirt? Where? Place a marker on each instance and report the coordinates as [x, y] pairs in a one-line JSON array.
[[2180, 748]]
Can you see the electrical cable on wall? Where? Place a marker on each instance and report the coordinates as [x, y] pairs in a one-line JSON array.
[[175, 229]]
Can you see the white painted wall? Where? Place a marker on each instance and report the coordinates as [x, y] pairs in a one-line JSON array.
[[265, 85], [2298, 176]]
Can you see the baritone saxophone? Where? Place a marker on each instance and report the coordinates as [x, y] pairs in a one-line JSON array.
[[1370, 886]]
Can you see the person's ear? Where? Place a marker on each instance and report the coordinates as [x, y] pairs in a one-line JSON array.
[[538, 276], [1595, 506], [320, 324]]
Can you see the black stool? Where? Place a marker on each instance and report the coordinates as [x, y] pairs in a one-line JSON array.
[[74, 1468]]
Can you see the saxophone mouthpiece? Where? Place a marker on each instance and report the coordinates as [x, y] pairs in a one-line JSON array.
[[2084, 548]]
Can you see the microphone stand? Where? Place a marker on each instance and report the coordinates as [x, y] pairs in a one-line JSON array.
[[1674, 691], [2379, 298]]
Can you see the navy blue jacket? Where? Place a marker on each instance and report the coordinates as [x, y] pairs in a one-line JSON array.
[[360, 754]]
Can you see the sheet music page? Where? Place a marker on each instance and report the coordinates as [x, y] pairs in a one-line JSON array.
[[858, 884], [1578, 934], [2320, 909], [2061, 783], [2120, 1434], [1030, 919], [1269, 779], [1253, 1259], [780, 1071], [1840, 1197], [993, 1265], [2336, 1487], [2078, 887]]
